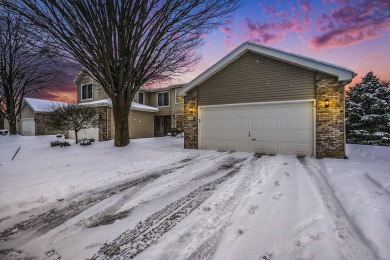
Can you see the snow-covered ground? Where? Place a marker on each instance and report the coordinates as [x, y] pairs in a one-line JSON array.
[[155, 200]]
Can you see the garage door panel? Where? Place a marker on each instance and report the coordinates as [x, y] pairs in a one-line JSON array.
[[274, 128], [270, 135], [231, 122], [305, 122], [256, 122], [270, 147], [287, 122], [243, 133], [243, 122], [304, 135], [243, 112], [256, 111], [271, 123], [230, 134]]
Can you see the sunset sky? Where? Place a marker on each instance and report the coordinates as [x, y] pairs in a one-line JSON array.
[[350, 33]]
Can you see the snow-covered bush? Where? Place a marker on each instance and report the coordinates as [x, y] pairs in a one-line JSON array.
[[59, 143], [84, 141], [368, 111]]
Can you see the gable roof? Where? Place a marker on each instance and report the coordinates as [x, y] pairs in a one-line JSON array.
[[134, 105], [41, 105], [342, 73]]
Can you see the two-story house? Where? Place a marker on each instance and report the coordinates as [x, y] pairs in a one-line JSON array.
[[169, 117], [153, 112]]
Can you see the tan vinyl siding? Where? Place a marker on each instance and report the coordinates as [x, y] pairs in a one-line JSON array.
[[141, 124], [97, 90], [176, 108], [257, 78], [27, 112]]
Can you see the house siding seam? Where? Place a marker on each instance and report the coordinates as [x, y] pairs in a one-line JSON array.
[[191, 119], [329, 120]]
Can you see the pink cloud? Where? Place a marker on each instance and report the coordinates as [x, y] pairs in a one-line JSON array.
[[351, 23], [305, 5], [226, 29], [268, 32], [271, 10]]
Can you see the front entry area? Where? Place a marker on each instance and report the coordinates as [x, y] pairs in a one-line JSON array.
[[162, 125], [269, 128]]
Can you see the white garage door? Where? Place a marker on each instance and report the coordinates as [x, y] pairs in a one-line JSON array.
[[27, 126], [285, 128], [85, 133]]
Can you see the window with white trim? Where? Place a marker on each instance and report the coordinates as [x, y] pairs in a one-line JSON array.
[[163, 99], [178, 99], [141, 99], [86, 91]]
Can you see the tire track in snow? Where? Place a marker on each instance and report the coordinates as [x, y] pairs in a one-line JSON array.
[[54, 217], [111, 214], [354, 240], [134, 241]]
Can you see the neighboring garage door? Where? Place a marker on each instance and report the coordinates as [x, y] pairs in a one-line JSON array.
[[27, 126], [269, 128], [85, 133]]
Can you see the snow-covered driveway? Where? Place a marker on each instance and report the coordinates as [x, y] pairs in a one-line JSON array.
[[155, 200]]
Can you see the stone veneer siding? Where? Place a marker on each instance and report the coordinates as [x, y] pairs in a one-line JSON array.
[[39, 124], [330, 132], [104, 124], [191, 119]]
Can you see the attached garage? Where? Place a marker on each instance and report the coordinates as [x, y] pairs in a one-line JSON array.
[[264, 100], [269, 128]]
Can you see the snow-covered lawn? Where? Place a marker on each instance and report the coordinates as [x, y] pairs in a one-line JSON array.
[[155, 200]]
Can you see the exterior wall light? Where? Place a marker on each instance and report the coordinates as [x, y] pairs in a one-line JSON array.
[[191, 109], [327, 103]]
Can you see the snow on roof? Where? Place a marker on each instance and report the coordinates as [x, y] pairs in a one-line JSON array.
[[343, 74], [42, 105], [134, 105]]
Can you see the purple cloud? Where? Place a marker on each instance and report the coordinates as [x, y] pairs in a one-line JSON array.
[[351, 23], [305, 5]]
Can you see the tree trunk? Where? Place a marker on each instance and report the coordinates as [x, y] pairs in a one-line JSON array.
[[121, 120], [12, 124], [75, 134]]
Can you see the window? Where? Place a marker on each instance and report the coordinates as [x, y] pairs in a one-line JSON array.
[[178, 98], [141, 98], [86, 91], [163, 99]]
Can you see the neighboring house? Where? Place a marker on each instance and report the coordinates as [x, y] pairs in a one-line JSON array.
[[170, 106], [33, 116], [264, 100], [154, 112]]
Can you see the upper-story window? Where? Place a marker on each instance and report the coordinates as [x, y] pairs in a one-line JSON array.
[[86, 91], [178, 98], [163, 99], [141, 99]]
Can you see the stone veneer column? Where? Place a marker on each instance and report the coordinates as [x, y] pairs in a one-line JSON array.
[[39, 124], [191, 119], [104, 119], [330, 130]]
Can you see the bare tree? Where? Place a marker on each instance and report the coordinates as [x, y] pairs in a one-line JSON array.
[[72, 117], [27, 64], [125, 44]]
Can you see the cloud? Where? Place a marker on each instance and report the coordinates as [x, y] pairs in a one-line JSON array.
[[271, 10], [351, 23], [268, 32], [305, 5]]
